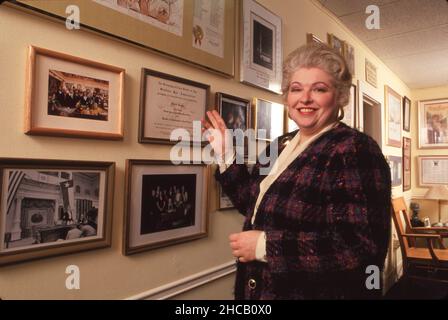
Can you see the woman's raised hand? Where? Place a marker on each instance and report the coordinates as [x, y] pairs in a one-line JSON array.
[[218, 135]]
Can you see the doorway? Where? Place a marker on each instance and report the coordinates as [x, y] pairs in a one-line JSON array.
[[371, 118]]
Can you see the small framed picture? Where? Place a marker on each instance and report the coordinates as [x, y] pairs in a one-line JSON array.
[[371, 73], [406, 114], [350, 109], [427, 222], [310, 38], [269, 119], [165, 204], [261, 63], [73, 97], [393, 117], [235, 111], [433, 124], [336, 43], [54, 207], [224, 202], [406, 164], [169, 107], [349, 54], [395, 164], [433, 170]]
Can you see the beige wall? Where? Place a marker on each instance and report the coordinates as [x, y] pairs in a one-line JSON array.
[[106, 273]]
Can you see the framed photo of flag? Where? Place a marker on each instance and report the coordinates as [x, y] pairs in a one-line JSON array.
[[53, 207]]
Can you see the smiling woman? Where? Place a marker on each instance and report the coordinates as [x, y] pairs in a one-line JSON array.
[[321, 216]]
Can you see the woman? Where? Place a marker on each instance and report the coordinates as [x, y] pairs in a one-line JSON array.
[[322, 216]]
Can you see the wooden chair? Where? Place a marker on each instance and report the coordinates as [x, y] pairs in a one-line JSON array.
[[426, 263]]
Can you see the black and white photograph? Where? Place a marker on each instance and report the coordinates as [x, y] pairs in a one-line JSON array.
[[263, 42], [165, 204], [269, 119], [71, 95], [235, 111], [43, 207]]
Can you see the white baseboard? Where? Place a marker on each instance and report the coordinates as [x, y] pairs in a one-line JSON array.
[[188, 283]]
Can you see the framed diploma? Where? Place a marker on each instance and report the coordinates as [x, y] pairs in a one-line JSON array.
[[261, 63], [433, 170], [169, 108]]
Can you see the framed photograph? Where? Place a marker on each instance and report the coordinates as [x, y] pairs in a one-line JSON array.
[[261, 63], [349, 54], [336, 43], [393, 117], [371, 73], [169, 103], [72, 97], [269, 119], [395, 164], [433, 170], [406, 114], [427, 222], [433, 124], [224, 202], [350, 109], [197, 32], [165, 204], [310, 38], [54, 207], [406, 164]]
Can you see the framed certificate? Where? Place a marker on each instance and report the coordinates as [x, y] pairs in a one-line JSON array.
[[433, 170], [169, 106], [261, 63]]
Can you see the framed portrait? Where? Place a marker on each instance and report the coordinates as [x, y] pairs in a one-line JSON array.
[[392, 101], [197, 32], [310, 38], [269, 119], [349, 55], [406, 164], [169, 105], [350, 109], [371, 73], [165, 204], [261, 63], [336, 43], [406, 114], [54, 207], [395, 164], [433, 170], [433, 124], [72, 97]]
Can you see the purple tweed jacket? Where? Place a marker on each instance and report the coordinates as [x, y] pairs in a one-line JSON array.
[[326, 218]]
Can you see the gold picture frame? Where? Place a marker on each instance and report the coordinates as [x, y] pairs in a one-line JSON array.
[[392, 102], [188, 42], [73, 97]]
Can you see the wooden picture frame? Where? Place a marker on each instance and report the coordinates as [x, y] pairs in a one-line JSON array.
[[169, 106], [176, 22], [406, 114], [432, 170], [54, 207], [180, 212], [392, 102], [336, 43], [73, 97], [269, 119], [433, 124], [407, 164], [312, 38], [261, 56], [349, 55]]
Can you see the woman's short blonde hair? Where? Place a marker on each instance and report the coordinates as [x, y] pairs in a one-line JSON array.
[[316, 55]]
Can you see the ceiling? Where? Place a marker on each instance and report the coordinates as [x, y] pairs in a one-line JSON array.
[[412, 40]]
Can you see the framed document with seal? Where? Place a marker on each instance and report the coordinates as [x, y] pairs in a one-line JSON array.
[[169, 107]]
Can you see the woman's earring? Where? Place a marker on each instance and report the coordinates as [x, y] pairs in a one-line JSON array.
[[341, 113]]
